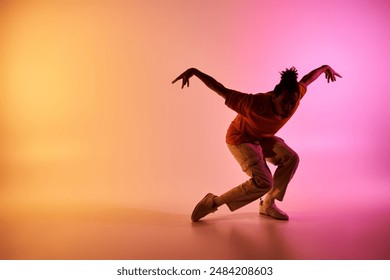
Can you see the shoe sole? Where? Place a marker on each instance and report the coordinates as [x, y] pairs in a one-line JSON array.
[[277, 218]]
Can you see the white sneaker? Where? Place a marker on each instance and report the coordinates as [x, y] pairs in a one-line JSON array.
[[272, 210]]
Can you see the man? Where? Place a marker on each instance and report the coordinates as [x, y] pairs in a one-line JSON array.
[[252, 141]]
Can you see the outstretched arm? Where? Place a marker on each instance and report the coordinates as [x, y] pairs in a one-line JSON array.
[[206, 79], [330, 75]]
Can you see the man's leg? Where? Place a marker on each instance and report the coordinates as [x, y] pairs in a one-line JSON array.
[[251, 159], [280, 154]]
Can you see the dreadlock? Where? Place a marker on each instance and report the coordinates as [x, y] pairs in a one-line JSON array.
[[288, 81]]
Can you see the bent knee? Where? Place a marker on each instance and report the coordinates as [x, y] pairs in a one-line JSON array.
[[261, 183], [294, 157], [290, 158]]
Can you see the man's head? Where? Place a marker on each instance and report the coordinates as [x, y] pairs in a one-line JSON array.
[[286, 93]]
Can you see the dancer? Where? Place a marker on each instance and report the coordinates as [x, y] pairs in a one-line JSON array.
[[252, 141]]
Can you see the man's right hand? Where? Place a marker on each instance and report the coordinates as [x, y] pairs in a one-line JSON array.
[[185, 76]]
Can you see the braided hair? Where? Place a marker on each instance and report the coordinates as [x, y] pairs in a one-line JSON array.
[[288, 81]]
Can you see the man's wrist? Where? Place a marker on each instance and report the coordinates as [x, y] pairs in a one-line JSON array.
[[324, 67]]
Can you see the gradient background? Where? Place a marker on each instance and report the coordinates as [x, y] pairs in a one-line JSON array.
[[88, 114]]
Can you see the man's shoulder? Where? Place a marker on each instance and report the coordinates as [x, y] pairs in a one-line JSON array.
[[262, 100], [302, 89], [263, 94]]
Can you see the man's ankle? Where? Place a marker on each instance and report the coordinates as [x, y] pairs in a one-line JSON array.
[[268, 200], [218, 201]]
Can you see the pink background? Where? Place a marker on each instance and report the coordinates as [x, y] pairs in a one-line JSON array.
[[88, 114]]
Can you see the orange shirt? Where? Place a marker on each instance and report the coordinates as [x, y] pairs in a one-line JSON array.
[[256, 118]]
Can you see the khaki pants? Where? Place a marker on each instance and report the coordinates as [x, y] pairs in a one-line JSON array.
[[252, 158]]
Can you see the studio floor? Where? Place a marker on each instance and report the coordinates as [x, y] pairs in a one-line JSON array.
[[352, 229]]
